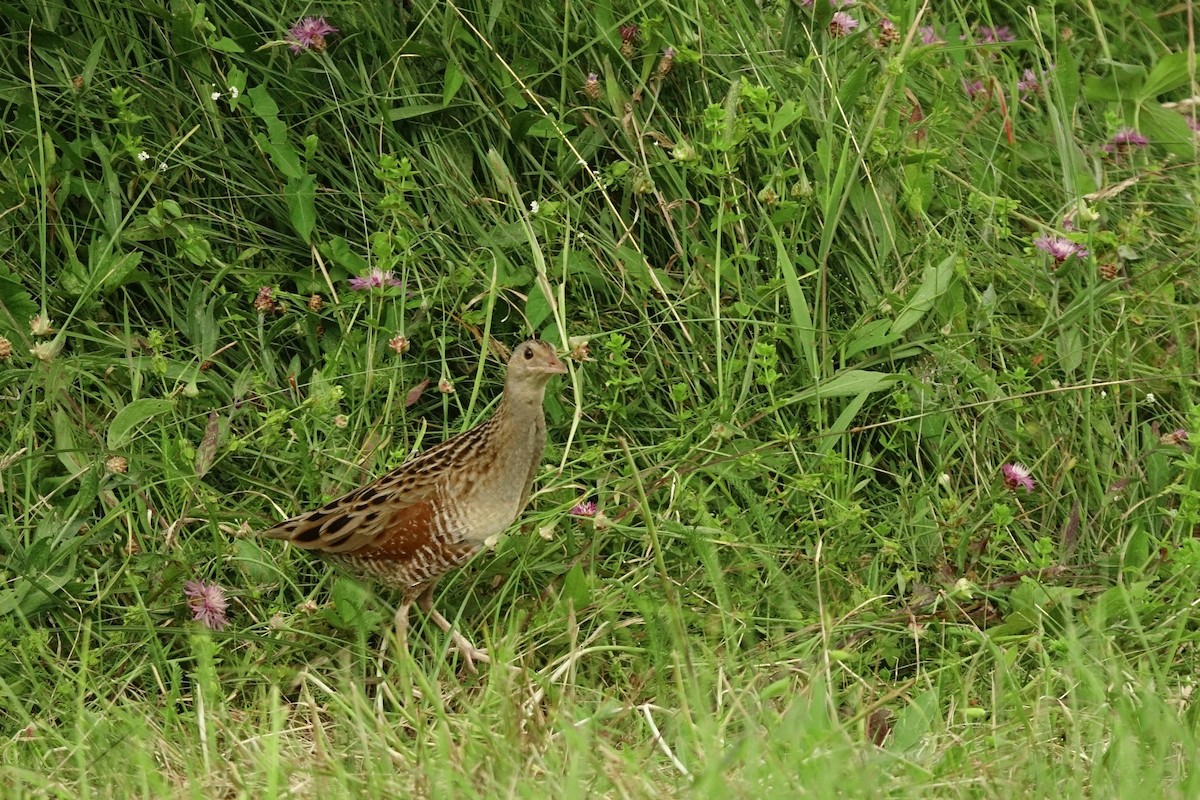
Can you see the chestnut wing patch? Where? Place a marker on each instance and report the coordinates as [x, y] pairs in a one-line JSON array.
[[365, 520], [407, 530]]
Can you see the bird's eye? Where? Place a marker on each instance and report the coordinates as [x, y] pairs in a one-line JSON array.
[[528, 353]]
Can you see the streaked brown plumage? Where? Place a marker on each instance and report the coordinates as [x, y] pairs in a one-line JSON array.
[[430, 515]]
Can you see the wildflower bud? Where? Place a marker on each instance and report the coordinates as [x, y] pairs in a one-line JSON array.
[[47, 350], [264, 302], [308, 608], [116, 465], [667, 63], [1177, 436], [684, 151], [629, 37], [445, 386], [888, 34], [1109, 271], [315, 303], [5, 349], [399, 344], [591, 87], [579, 348], [340, 421], [40, 326], [77, 83]]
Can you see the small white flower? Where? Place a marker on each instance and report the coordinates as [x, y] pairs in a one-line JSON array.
[[215, 95], [1103, 394], [162, 166], [233, 92], [143, 156], [534, 207], [1149, 398]]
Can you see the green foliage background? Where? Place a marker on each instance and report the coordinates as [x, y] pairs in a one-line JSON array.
[[808, 323]]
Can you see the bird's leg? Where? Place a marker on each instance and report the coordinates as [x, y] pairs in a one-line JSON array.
[[469, 651], [402, 622]]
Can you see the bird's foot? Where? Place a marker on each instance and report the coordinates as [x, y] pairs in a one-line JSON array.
[[468, 651]]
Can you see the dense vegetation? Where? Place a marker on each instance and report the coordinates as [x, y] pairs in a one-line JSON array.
[[882, 332]]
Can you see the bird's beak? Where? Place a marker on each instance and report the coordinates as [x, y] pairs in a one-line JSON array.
[[555, 366]]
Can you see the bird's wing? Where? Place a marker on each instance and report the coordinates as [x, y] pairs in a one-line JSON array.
[[392, 515]]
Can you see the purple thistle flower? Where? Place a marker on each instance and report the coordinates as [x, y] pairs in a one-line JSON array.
[[989, 35], [309, 34], [376, 279], [1016, 475], [1028, 85], [585, 508], [208, 603], [1060, 249], [842, 24], [1125, 141], [929, 35], [974, 89]]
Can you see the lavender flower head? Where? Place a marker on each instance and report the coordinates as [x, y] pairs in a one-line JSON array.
[[376, 279], [842, 24], [989, 35], [208, 603], [1126, 140], [1028, 85], [309, 34], [974, 89], [585, 508], [1060, 249], [929, 35], [1017, 476]]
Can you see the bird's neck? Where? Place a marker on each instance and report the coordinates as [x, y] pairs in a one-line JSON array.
[[522, 402]]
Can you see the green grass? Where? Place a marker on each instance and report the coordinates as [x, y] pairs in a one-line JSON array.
[[817, 327]]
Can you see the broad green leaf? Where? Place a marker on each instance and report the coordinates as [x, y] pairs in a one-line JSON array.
[[1169, 73], [1070, 350], [914, 724], [451, 83], [301, 199], [226, 45], [869, 337], [283, 156], [120, 430], [1167, 129], [16, 306], [934, 282], [344, 255], [848, 384], [115, 270], [413, 111], [801, 323], [575, 587], [537, 308]]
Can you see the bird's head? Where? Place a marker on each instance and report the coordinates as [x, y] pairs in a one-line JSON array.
[[534, 361]]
